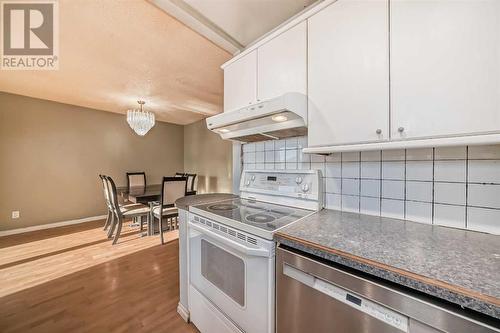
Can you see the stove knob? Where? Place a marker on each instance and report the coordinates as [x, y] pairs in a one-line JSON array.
[[298, 180], [247, 183], [253, 177], [305, 188]]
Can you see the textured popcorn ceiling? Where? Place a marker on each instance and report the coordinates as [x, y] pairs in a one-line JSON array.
[[115, 52]]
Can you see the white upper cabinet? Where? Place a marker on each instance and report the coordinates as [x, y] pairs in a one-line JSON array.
[[445, 68], [348, 73], [240, 82], [282, 64]]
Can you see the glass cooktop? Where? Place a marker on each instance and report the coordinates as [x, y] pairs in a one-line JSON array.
[[258, 214]]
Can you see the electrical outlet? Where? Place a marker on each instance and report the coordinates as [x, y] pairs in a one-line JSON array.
[[15, 214]]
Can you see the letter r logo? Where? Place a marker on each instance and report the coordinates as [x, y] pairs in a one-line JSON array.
[[28, 28]]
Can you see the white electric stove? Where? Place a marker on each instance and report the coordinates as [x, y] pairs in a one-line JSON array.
[[232, 254]]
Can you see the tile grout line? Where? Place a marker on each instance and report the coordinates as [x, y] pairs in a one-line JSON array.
[[404, 194], [380, 185], [433, 183], [359, 184], [466, 185]]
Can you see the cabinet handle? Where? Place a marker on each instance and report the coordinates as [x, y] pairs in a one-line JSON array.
[[378, 131], [401, 129]]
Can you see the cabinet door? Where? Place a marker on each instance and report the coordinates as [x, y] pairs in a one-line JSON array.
[[282, 64], [240, 82], [445, 67], [349, 73]]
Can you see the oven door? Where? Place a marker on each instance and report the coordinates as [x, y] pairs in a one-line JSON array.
[[237, 278]]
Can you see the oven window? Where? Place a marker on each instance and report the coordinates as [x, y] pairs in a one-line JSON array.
[[223, 269]]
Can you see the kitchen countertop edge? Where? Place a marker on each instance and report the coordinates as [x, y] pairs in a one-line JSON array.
[[451, 293], [199, 199]]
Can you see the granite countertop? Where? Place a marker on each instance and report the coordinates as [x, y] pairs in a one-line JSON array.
[[462, 267], [199, 199]]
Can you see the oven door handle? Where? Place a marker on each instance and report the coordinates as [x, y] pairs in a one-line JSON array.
[[229, 242]]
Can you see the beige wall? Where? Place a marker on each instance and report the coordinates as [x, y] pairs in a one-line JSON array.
[[51, 155], [207, 155]]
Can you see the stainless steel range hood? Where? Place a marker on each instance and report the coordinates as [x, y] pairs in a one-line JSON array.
[[277, 118]]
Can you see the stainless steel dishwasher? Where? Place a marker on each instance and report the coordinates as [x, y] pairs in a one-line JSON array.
[[314, 297]]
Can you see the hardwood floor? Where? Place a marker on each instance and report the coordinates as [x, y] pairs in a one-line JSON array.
[[72, 279]]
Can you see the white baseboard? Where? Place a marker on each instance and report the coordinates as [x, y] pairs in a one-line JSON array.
[[51, 225], [183, 312]]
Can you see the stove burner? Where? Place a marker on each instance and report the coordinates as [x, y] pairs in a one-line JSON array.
[[260, 218], [222, 207]]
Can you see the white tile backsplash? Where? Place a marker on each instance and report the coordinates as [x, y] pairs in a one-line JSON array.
[[393, 170], [334, 185], [419, 170], [259, 156], [419, 211], [450, 153], [484, 152], [333, 201], [419, 191], [393, 189], [269, 145], [370, 170], [350, 203], [449, 171], [350, 186], [483, 219], [350, 169], [484, 195], [370, 187], [393, 155], [350, 157], [453, 186], [393, 208], [333, 169], [450, 193], [370, 206], [269, 156], [260, 146], [449, 215], [422, 154], [484, 171], [371, 156]]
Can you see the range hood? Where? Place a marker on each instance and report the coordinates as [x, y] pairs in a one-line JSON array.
[[277, 118]]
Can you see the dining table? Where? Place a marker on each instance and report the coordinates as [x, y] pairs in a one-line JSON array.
[[141, 194]]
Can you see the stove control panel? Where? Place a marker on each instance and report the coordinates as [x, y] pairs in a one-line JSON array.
[[296, 184]]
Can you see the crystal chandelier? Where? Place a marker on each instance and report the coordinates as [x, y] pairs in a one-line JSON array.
[[139, 120]]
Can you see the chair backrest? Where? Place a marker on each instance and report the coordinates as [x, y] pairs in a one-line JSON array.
[[172, 188], [112, 194], [180, 174], [190, 181], [106, 191], [136, 179]]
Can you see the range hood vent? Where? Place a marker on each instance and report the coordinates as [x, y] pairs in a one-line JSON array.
[[277, 118]]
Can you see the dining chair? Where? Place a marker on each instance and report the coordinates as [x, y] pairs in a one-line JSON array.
[[172, 188], [136, 179], [122, 212], [107, 200], [190, 183]]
